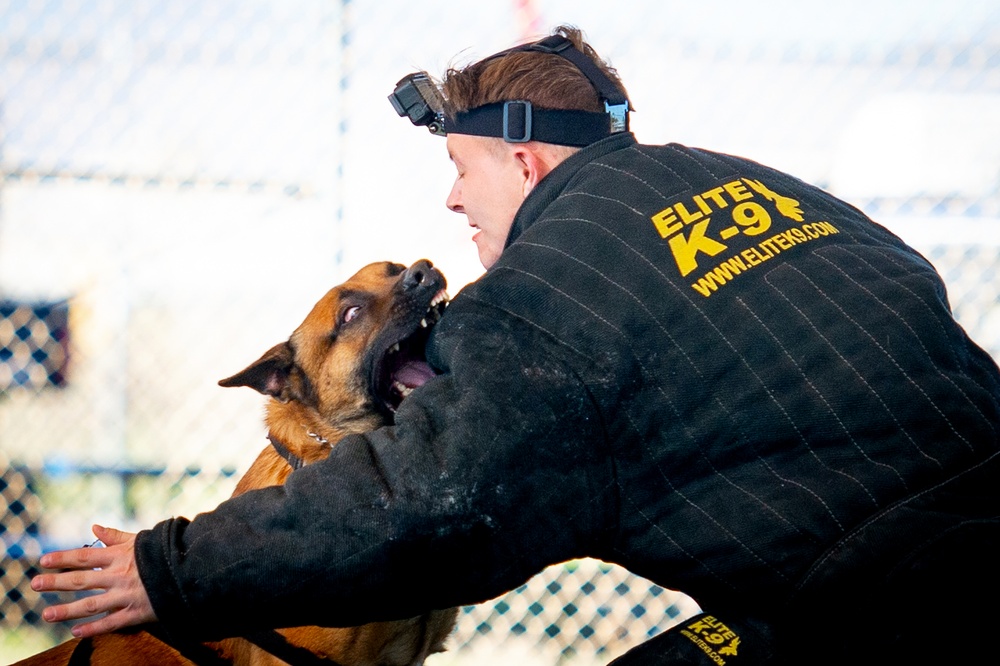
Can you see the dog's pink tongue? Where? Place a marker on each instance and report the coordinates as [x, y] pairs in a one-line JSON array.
[[414, 373]]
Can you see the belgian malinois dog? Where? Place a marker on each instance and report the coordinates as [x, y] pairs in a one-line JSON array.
[[343, 371]]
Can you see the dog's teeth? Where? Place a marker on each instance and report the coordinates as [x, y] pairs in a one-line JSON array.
[[403, 389], [439, 298], [423, 323], [394, 348]]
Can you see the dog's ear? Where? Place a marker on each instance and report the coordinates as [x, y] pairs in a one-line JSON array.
[[269, 374]]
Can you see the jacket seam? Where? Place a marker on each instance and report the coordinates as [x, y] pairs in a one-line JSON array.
[[847, 539]]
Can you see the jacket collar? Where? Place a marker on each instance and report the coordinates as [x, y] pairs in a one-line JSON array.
[[549, 189]]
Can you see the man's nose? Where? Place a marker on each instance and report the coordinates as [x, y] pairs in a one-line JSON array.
[[454, 200]]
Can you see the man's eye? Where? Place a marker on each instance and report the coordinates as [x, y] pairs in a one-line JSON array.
[[351, 312]]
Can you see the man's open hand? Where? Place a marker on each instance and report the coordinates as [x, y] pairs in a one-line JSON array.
[[111, 569]]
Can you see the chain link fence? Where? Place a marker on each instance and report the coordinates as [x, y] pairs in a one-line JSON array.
[[180, 180]]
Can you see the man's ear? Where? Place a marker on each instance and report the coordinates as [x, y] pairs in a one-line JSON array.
[[269, 374], [533, 163]]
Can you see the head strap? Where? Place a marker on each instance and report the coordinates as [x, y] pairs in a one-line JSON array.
[[559, 45], [519, 121], [516, 121]]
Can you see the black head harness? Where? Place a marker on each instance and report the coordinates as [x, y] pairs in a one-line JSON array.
[[517, 121]]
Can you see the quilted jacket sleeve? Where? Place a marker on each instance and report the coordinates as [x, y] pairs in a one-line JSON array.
[[493, 470]]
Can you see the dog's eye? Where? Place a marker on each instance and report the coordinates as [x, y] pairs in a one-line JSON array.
[[351, 312]]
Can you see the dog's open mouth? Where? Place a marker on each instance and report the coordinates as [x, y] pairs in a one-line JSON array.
[[403, 367]]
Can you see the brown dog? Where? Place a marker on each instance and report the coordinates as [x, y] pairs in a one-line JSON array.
[[344, 370]]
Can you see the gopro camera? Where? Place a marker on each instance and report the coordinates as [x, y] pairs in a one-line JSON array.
[[417, 97]]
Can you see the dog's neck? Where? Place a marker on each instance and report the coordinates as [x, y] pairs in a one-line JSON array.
[[305, 435], [279, 447]]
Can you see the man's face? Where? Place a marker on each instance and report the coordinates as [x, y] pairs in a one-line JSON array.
[[489, 188]]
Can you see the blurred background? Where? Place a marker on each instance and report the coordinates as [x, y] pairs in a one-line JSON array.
[[180, 180]]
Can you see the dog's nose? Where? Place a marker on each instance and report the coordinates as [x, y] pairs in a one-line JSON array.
[[417, 275]]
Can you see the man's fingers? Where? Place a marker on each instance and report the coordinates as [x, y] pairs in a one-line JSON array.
[[72, 581], [111, 622], [65, 582], [78, 558], [122, 603], [110, 536], [75, 610]]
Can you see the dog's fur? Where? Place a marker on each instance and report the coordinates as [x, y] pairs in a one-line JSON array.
[[343, 371]]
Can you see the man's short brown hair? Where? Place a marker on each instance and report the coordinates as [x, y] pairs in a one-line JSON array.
[[546, 80]]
